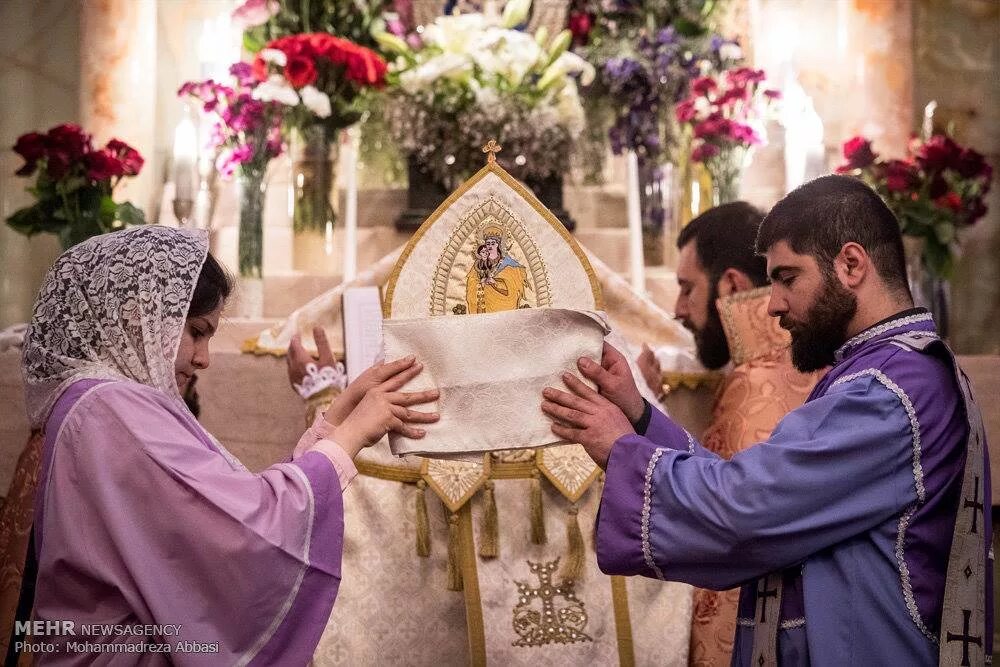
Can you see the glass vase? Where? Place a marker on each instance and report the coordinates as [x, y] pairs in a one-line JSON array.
[[726, 170], [657, 194], [314, 199], [928, 289], [251, 190]]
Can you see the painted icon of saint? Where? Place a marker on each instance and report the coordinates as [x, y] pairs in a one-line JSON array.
[[496, 281]]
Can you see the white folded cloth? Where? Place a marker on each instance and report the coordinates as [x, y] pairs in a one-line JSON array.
[[490, 370]]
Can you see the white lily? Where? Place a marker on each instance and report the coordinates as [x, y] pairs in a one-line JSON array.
[[316, 101], [452, 34], [566, 64], [392, 43], [515, 12], [446, 65]]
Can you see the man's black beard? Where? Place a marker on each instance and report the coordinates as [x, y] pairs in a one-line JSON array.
[[710, 342], [815, 340]]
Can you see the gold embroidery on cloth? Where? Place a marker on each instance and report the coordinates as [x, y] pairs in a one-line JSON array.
[[455, 482], [489, 264], [539, 620], [569, 468], [514, 456]]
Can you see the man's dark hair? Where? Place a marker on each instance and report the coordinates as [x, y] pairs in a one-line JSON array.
[[724, 238], [818, 218], [213, 288]]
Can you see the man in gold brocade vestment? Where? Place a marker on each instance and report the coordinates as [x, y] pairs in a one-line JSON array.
[[723, 301]]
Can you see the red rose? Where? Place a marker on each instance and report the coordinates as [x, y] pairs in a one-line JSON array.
[[319, 43], [950, 201], [129, 157], [899, 175], [938, 187], [580, 24], [300, 71], [971, 164], [102, 165], [938, 153], [858, 153], [292, 45], [69, 139], [31, 147]]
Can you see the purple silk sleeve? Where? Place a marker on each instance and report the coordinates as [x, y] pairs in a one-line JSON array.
[[146, 522], [833, 468]]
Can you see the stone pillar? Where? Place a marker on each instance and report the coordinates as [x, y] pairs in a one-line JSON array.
[[118, 84], [853, 57]]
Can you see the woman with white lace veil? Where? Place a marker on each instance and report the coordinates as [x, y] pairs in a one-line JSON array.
[[141, 517]]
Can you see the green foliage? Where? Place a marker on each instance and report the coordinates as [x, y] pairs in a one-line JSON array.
[[353, 20]]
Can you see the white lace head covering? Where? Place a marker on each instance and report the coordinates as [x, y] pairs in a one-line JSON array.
[[112, 307]]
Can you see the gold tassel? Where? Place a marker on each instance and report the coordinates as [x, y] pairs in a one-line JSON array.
[[489, 537], [537, 515], [454, 565], [423, 525], [572, 568]]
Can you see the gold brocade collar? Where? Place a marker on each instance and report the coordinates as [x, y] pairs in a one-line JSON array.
[[750, 331]]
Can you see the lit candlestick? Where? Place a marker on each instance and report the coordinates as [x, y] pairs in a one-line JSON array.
[[637, 269], [185, 163]]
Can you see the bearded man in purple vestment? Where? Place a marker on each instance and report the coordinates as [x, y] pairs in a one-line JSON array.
[[856, 530], [144, 524]]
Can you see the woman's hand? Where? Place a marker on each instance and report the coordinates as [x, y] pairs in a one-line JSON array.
[[383, 408], [347, 400]]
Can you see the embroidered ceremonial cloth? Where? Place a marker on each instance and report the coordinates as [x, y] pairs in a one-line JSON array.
[[490, 370]]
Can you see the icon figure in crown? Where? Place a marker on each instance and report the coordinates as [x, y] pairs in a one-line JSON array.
[[496, 281]]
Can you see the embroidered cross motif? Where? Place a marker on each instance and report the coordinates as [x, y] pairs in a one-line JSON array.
[[763, 593], [975, 505], [550, 625], [965, 637]]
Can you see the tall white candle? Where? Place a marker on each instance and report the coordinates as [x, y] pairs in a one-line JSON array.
[[185, 158], [351, 206], [637, 269]]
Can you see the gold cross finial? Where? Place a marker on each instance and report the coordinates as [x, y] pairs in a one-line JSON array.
[[491, 149]]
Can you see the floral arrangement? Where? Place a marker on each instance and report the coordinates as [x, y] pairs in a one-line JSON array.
[[646, 54], [266, 20], [647, 83], [74, 183], [318, 76], [246, 132], [724, 113], [472, 77], [937, 189]]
